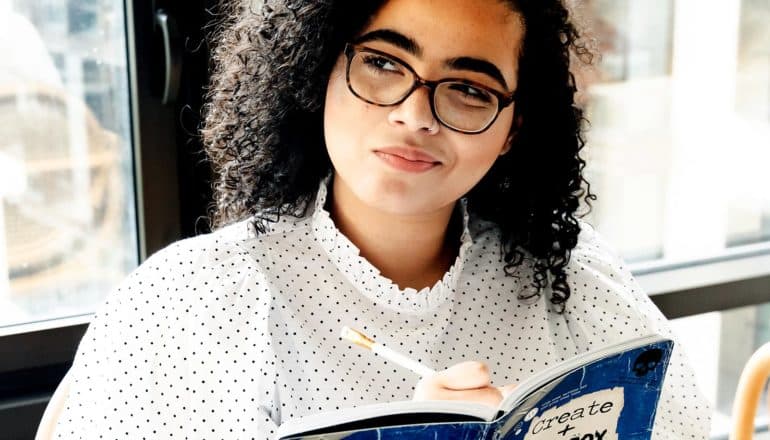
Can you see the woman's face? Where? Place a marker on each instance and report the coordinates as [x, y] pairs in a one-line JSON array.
[[374, 149]]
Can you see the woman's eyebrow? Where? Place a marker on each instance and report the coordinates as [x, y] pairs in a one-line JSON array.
[[477, 65], [393, 37], [410, 45]]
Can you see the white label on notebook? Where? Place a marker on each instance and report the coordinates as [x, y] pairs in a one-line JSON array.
[[590, 417]]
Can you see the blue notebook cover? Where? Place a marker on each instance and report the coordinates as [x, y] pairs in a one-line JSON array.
[[607, 395]]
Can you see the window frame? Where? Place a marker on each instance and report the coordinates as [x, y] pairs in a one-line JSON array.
[[738, 277]]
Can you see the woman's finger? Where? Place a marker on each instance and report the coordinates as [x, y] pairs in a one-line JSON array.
[[463, 376]]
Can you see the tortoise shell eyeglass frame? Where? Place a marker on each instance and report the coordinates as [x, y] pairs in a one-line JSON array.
[[503, 100]]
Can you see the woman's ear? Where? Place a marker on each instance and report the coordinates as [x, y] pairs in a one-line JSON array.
[[514, 131]]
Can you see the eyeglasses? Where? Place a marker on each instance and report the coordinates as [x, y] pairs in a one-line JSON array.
[[459, 104]]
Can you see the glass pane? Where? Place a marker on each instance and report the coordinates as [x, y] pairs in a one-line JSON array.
[[679, 138], [736, 334], [67, 223]]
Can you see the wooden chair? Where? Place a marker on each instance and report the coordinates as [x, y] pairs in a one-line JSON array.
[[47, 247], [747, 397]]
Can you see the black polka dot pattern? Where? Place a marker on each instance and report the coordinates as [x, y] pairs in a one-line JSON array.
[[226, 335]]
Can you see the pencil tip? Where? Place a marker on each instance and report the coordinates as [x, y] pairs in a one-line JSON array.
[[356, 337]]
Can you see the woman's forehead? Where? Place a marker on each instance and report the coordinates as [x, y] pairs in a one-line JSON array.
[[443, 29]]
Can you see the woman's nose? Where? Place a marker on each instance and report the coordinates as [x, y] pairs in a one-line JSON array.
[[415, 112]]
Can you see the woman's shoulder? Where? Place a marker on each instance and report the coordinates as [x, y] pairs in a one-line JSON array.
[[595, 263], [590, 247], [216, 255], [200, 248], [593, 252], [198, 268], [604, 290], [227, 242]]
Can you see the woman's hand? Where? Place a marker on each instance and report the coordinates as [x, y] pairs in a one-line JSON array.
[[467, 381]]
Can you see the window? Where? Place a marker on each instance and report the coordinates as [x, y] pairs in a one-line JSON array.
[[679, 127], [68, 228], [736, 333], [679, 111]]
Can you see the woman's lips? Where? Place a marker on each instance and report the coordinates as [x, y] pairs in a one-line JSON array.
[[407, 159]]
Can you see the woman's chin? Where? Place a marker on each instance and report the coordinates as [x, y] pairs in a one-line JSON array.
[[396, 199], [393, 193]]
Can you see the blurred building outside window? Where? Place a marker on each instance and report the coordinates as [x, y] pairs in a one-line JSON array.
[[67, 223]]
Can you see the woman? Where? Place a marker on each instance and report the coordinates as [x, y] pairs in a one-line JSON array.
[[406, 167]]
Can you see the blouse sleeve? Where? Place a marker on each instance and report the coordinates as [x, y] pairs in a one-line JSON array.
[[607, 306], [134, 374]]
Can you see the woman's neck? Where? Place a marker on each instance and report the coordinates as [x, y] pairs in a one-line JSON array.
[[413, 251]]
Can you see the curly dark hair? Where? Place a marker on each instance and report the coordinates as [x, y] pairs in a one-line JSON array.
[[263, 127]]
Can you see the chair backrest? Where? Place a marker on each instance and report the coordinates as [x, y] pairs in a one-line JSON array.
[[71, 194], [747, 397], [52, 412]]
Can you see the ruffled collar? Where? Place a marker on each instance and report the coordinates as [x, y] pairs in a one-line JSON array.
[[368, 279]]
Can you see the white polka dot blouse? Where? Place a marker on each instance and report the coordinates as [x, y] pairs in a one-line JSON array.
[[226, 335]]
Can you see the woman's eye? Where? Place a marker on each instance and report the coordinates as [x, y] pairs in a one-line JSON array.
[[471, 93], [381, 63]]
